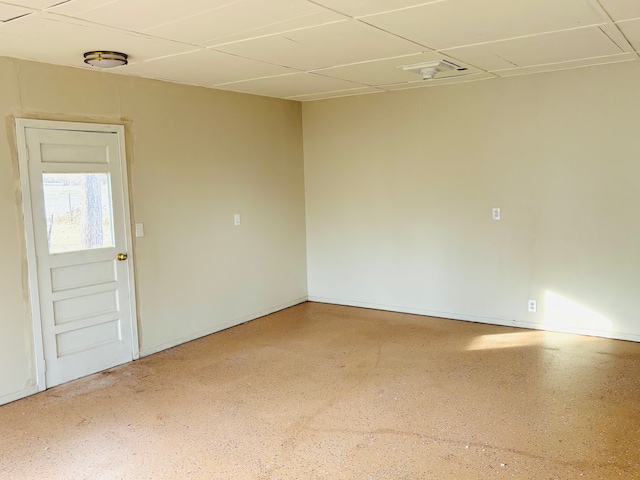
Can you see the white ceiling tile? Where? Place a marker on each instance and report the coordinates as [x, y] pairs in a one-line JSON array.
[[631, 30], [622, 9], [38, 4], [56, 39], [387, 71], [538, 49], [465, 22], [328, 45], [243, 19], [9, 12], [135, 15], [204, 67], [359, 8], [342, 93], [138, 15], [73, 7], [588, 62], [291, 85]]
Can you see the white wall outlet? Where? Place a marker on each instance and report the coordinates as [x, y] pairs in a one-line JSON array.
[[139, 230], [533, 306], [236, 220], [496, 214]]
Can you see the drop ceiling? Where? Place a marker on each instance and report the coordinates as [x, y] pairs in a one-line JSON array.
[[314, 49]]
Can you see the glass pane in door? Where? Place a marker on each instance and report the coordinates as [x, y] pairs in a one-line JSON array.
[[78, 211]]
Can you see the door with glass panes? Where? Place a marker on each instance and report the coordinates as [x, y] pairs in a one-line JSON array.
[[81, 241]]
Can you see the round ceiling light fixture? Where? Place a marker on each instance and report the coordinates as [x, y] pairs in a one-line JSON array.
[[102, 59]]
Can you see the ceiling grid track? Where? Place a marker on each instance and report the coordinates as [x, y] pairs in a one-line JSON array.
[[314, 49]]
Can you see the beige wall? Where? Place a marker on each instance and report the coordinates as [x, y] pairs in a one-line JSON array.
[[400, 188], [16, 357], [196, 157], [399, 191]]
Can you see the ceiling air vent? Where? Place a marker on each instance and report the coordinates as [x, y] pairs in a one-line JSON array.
[[430, 69]]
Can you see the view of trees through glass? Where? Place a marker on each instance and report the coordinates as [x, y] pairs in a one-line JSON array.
[[78, 211]]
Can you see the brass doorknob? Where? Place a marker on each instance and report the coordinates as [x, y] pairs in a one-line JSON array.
[[122, 257]]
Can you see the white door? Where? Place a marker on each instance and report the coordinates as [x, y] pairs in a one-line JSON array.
[[76, 209]]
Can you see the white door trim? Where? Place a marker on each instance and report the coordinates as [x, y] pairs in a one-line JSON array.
[[32, 267]]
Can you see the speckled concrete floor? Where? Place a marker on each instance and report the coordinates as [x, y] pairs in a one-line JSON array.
[[328, 392]]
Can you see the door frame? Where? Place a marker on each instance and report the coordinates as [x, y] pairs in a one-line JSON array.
[[27, 210]]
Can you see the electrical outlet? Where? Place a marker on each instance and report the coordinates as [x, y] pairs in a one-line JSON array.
[[236, 219], [496, 214], [533, 306]]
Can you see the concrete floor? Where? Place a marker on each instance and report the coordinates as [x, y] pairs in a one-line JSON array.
[[327, 392]]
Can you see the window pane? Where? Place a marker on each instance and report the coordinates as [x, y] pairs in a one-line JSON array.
[[78, 209]]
